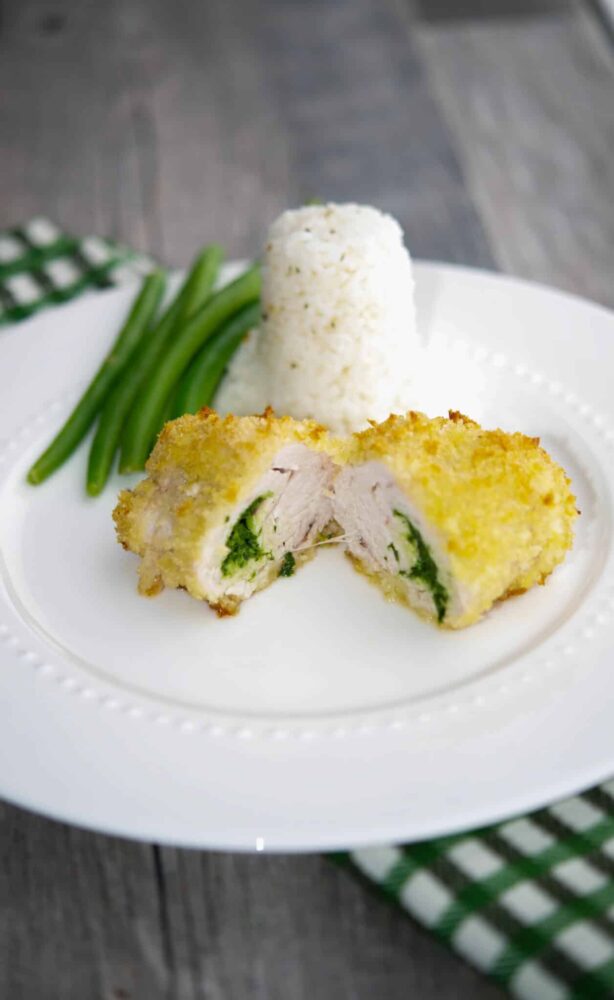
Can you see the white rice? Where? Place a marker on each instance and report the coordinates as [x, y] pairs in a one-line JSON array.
[[338, 341]]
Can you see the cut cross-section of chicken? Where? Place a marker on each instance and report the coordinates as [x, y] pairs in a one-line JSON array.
[[443, 515], [390, 540], [228, 505], [448, 517], [270, 532]]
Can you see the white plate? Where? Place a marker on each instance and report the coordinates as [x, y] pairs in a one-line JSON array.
[[321, 717]]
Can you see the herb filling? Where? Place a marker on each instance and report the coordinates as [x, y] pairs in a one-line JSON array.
[[394, 551], [424, 568], [288, 565], [243, 542]]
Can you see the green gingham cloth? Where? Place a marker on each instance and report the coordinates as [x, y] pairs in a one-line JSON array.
[[528, 902], [41, 266]]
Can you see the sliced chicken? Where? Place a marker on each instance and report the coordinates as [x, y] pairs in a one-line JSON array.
[[443, 515], [228, 505], [448, 517]]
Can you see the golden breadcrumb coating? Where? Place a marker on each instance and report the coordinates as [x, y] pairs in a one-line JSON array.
[[201, 468], [501, 507], [495, 512]]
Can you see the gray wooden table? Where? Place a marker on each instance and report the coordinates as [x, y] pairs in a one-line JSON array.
[[170, 124]]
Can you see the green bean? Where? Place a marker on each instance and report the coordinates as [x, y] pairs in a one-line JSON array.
[[196, 289], [199, 383], [193, 294], [149, 408], [169, 406], [84, 413]]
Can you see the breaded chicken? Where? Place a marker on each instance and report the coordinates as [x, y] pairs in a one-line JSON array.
[[448, 517], [228, 505]]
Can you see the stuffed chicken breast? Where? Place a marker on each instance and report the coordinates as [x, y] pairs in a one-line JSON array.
[[228, 505], [448, 517], [443, 515]]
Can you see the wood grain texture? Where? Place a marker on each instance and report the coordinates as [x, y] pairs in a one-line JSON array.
[[88, 916], [531, 106], [302, 929], [79, 914], [171, 124], [166, 125]]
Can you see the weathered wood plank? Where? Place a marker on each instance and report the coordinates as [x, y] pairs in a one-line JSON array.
[[83, 915], [69, 146], [273, 928], [531, 106], [79, 914], [172, 124], [361, 122]]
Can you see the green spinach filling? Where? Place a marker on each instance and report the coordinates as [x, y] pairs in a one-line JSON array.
[[425, 567], [243, 542], [394, 551], [288, 565]]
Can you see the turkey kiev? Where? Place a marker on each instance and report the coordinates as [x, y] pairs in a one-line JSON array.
[[442, 515]]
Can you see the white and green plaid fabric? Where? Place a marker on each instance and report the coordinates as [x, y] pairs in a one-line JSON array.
[[529, 902], [41, 266]]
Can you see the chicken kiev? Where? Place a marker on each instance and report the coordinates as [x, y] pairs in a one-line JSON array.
[[444, 516], [229, 504], [450, 518]]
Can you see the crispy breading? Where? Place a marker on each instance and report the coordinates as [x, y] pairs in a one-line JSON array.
[[501, 507], [201, 468], [496, 511]]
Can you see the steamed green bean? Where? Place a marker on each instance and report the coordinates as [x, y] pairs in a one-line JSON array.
[[199, 383], [193, 294], [84, 413], [149, 408]]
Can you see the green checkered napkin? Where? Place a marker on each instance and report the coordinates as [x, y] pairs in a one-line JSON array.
[[529, 902], [40, 266]]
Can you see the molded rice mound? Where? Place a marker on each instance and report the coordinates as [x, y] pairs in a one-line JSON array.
[[338, 341]]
